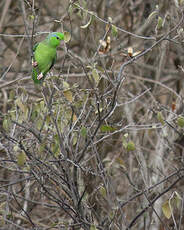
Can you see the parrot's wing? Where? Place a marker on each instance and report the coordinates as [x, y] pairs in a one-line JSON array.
[[53, 62], [35, 69], [34, 47]]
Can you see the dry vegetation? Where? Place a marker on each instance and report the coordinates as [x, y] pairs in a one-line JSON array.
[[100, 144]]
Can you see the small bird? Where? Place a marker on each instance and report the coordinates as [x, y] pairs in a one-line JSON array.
[[44, 56]]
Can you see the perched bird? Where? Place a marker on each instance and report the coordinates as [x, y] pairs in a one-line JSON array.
[[44, 56]]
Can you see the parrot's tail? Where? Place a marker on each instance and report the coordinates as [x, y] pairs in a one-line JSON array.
[[35, 74]]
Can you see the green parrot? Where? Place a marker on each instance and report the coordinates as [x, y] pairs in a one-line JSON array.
[[44, 56]]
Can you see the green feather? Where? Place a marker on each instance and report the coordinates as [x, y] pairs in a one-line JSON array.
[[45, 55]]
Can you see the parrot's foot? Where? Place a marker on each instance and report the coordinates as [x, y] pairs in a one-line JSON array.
[[40, 76], [34, 63]]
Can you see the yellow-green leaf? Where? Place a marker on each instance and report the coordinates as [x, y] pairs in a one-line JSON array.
[[39, 124], [75, 139], [67, 36], [12, 94], [12, 114], [41, 148], [32, 17], [180, 121], [125, 135], [48, 120], [68, 95], [160, 118], [124, 140], [130, 146], [74, 118], [26, 113], [42, 105], [103, 192], [54, 225], [100, 68], [19, 103], [21, 159], [178, 199], [16, 148], [121, 162], [166, 210], [101, 109], [87, 24], [181, 2], [70, 9], [55, 149], [153, 15], [66, 85], [5, 124], [110, 19], [96, 76], [93, 227]]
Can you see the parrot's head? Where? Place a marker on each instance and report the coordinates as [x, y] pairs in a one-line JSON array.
[[55, 38]]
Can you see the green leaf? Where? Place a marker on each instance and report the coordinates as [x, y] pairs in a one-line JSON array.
[[159, 23], [106, 128], [114, 31], [83, 131], [55, 146]]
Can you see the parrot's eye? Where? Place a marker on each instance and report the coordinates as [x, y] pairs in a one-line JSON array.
[[57, 38]]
